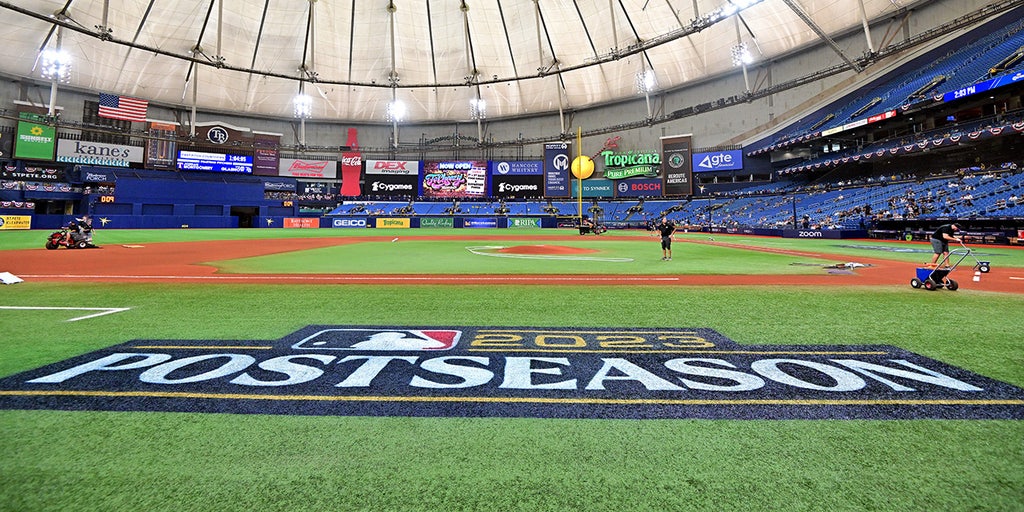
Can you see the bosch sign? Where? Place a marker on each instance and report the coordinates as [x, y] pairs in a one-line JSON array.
[[636, 188]]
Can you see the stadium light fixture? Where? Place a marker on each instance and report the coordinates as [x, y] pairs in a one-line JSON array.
[[56, 65], [477, 108], [741, 55], [646, 81], [303, 104], [395, 112]]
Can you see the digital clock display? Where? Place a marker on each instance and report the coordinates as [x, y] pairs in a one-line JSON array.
[[214, 162]]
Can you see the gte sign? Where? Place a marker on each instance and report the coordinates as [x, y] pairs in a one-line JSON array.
[[718, 161], [513, 372]]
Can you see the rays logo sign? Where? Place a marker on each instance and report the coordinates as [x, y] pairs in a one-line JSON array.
[[513, 372]]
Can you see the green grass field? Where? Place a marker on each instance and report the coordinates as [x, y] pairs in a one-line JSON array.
[[132, 461]]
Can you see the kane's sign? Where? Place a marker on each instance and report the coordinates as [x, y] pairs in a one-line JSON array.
[[513, 372]]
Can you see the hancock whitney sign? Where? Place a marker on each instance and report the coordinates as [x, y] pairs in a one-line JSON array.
[[512, 372]]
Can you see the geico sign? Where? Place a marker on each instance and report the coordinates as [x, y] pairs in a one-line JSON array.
[[349, 223]]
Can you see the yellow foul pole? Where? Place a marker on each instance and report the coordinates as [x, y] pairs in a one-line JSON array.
[[579, 172]]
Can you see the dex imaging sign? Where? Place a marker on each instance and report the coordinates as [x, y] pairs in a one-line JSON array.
[[718, 161]]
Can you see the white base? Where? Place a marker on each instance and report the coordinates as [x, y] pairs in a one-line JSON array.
[[9, 278]]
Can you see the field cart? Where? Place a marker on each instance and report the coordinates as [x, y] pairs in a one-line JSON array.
[[938, 277], [981, 266]]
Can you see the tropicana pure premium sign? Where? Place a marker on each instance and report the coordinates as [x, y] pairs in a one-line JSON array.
[[619, 166]]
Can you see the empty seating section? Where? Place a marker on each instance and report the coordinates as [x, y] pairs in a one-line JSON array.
[[960, 67], [998, 193]]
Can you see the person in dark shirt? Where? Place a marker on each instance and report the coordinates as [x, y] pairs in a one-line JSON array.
[[666, 228], [940, 240], [586, 225]]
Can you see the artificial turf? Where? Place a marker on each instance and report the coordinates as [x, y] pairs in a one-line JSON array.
[[60, 460]]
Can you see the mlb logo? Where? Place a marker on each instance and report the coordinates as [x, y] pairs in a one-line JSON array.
[[381, 340]]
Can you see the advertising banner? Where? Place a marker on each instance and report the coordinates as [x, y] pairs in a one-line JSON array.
[[393, 167], [647, 187], [515, 185], [161, 148], [214, 162], [514, 168], [437, 222], [285, 186], [297, 168], [97, 153], [731, 160], [676, 171], [390, 222], [632, 164], [15, 222], [96, 175], [556, 169], [488, 222], [391, 177], [35, 140], [349, 222], [518, 222], [31, 173], [594, 187], [454, 179], [266, 157], [351, 169], [301, 222]]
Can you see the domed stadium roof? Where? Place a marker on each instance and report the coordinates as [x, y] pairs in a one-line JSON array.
[[353, 58]]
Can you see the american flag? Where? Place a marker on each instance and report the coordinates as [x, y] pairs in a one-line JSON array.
[[124, 108]]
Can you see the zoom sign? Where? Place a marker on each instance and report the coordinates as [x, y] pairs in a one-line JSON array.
[[513, 372]]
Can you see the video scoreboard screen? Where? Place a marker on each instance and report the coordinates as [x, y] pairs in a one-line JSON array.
[[214, 162]]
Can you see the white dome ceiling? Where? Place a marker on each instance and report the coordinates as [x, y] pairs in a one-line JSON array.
[[444, 53]]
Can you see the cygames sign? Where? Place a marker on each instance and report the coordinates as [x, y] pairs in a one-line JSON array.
[[513, 372]]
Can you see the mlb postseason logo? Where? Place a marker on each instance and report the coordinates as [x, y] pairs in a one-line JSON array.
[[513, 372]]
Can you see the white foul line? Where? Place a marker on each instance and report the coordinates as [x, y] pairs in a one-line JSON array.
[[102, 311], [369, 277]]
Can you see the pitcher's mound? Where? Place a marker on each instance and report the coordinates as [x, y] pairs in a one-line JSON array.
[[545, 249]]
